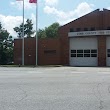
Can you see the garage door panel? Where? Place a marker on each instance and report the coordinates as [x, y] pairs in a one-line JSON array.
[[83, 51], [83, 43], [84, 62]]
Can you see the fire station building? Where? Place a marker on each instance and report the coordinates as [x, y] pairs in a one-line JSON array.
[[82, 42]]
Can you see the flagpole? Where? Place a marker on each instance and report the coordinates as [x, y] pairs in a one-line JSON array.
[[36, 34], [23, 37]]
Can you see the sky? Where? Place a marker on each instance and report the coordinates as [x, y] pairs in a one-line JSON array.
[[49, 11]]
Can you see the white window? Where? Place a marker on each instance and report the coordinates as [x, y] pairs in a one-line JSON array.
[[84, 53]]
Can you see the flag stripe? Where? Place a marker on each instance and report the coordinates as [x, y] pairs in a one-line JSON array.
[[32, 1]]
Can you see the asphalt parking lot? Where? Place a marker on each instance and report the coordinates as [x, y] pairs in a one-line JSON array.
[[54, 88]]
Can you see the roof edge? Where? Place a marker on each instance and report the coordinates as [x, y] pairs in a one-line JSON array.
[[81, 17]]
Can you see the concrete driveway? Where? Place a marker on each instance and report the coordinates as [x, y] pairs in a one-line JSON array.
[[55, 88]]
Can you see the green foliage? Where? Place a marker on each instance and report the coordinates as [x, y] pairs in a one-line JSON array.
[[49, 32], [41, 33], [28, 29], [6, 46], [19, 30]]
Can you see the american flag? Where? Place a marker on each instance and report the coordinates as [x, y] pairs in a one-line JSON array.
[[32, 1]]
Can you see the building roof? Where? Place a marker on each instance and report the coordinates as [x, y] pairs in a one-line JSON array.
[[95, 11]]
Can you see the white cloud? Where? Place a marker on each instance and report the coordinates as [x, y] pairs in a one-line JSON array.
[[64, 17], [33, 17], [50, 10], [83, 9], [51, 2], [19, 4], [9, 22], [61, 16], [108, 8]]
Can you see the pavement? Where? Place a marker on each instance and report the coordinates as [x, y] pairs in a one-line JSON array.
[[54, 88]]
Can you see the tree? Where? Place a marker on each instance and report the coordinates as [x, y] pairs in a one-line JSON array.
[[28, 29], [49, 32], [41, 33], [19, 30], [52, 30], [6, 46]]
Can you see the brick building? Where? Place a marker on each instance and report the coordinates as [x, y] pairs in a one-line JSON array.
[[48, 51], [82, 42]]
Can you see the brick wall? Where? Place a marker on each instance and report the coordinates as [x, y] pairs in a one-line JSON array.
[[48, 51], [29, 51], [101, 51]]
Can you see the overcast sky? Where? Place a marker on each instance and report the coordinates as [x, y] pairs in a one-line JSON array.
[[49, 11]]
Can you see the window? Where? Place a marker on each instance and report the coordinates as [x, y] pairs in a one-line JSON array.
[[86, 51], [79, 55], [73, 51], [49, 51], [79, 51], [76, 53], [85, 29], [93, 55], [94, 51], [78, 29], [92, 28], [90, 53], [71, 30], [108, 28], [108, 52], [86, 55], [73, 55], [108, 55]]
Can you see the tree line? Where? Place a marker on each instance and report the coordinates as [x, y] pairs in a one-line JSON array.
[[6, 46], [49, 32], [7, 41]]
